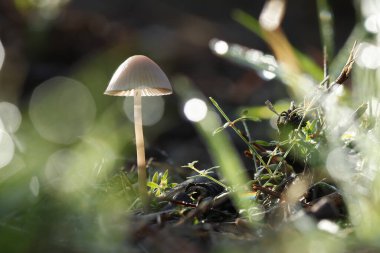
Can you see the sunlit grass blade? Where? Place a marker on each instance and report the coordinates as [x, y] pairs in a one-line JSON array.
[[309, 66], [305, 63], [274, 38], [227, 158], [264, 64], [263, 112], [248, 21]]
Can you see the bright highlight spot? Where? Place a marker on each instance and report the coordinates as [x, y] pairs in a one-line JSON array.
[[62, 110], [2, 55], [328, 226], [338, 90], [7, 149], [268, 75], [195, 109], [272, 14], [369, 56], [10, 116], [254, 55], [372, 23], [369, 7], [219, 46], [152, 109]]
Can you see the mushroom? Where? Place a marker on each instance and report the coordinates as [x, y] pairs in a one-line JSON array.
[[139, 76]]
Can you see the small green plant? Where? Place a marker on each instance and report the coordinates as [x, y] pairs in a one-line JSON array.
[[205, 173], [160, 183], [301, 142]]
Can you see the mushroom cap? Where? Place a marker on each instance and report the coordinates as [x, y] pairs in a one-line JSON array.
[[139, 72]]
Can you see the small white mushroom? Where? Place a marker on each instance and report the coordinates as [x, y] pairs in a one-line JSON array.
[[139, 76]]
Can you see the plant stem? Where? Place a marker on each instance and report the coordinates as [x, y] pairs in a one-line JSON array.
[[251, 148], [191, 166], [140, 150]]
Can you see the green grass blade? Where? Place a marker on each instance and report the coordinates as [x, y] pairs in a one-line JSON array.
[[307, 64], [219, 146], [248, 21]]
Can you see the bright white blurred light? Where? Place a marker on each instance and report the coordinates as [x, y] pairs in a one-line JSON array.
[[219, 46], [62, 110], [195, 109], [338, 90], [7, 149], [369, 56], [328, 226], [10, 116], [2, 54], [268, 75], [272, 14], [270, 60], [152, 109], [370, 7], [372, 23], [253, 55]]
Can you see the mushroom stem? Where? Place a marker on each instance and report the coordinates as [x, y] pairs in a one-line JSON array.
[[140, 149]]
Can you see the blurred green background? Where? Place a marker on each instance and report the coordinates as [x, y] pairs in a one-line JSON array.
[[65, 148]]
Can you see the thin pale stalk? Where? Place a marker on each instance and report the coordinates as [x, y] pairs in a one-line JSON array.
[[140, 150]]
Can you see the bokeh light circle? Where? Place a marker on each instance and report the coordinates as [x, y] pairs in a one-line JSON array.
[[267, 75], [10, 116], [62, 109], [7, 149], [152, 109], [195, 109], [372, 23], [221, 47], [368, 56]]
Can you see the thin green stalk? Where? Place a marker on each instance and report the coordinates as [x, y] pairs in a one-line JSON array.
[[251, 148], [203, 174], [249, 139]]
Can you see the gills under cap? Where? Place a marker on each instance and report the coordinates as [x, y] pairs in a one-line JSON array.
[[139, 72]]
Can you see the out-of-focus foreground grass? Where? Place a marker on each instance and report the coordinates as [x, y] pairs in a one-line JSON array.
[[64, 156]]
